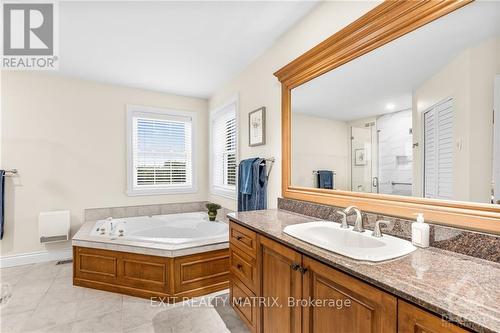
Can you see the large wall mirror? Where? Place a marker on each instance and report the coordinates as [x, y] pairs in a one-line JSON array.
[[413, 118]]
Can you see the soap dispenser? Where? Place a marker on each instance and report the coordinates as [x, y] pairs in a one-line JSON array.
[[420, 232]]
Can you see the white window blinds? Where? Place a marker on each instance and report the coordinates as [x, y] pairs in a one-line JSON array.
[[223, 151], [438, 151], [161, 151]]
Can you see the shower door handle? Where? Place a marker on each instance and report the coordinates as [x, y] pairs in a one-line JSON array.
[[375, 183]]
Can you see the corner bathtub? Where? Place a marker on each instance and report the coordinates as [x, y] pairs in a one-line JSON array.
[[177, 231], [174, 256]]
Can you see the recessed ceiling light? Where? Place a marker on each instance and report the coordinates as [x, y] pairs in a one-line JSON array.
[[390, 106]]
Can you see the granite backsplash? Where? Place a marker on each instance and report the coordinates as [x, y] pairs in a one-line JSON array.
[[471, 243]]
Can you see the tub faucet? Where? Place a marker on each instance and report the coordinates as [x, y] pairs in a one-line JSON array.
[[112, 227], [358, 225]]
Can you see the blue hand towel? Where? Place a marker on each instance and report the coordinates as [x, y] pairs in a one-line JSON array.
[[260, 183], [325, 179], [2, 197], [257, 198], [246, 176]]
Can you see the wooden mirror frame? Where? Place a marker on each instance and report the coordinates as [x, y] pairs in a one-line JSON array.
[[385, 23]]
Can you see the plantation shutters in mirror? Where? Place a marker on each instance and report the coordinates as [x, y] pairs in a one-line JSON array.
[[223, 150], [438, 151], [161, 151]]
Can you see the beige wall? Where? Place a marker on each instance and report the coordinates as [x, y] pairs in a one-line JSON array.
[[67, 138], [256, 85], [319, 144], [469, 79]]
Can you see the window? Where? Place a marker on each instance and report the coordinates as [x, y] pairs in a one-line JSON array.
[[160, 151], [223, 133], [438, 151]]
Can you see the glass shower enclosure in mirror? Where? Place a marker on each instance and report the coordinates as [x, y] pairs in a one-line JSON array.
[[414, 117]]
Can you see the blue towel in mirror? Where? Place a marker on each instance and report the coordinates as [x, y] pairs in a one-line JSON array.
[[325, 179]]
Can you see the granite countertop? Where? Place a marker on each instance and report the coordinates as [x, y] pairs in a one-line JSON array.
[[462, 289]]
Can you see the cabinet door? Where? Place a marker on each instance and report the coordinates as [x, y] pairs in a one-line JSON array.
[[414, 320], [344, 304], [279, 282]]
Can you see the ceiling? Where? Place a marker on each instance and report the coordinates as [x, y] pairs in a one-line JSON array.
[[388, 75], [186, 48]]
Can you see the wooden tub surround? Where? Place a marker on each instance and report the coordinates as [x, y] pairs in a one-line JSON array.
[[147, 276]]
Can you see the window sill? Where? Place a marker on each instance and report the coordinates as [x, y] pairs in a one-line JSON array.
[[170, 191], [228, 194]]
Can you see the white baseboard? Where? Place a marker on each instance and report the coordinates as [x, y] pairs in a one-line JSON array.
[[35, 257]]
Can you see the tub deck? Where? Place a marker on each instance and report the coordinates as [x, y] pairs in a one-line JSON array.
[[84, 238]]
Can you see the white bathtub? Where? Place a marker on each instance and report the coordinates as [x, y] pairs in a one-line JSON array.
[[178, 230]]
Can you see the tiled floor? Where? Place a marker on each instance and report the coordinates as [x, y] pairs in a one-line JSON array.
[[43, 299]]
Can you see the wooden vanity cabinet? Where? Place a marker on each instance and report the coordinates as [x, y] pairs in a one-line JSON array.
[[263, 267], [281, 280], [412, 319], [346, 304], [244, 286], [294, 279]]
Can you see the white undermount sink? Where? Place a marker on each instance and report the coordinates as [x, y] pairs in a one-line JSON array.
[[349, 243]]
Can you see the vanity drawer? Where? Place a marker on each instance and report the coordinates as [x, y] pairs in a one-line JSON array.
[[243, 267], [243, 238], [244, 303]]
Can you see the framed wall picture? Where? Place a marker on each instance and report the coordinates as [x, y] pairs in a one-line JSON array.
[[257, 127], [359, 157]]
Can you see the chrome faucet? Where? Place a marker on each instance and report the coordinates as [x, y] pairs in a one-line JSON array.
[[376, 231], [343, 224], [358, 225]]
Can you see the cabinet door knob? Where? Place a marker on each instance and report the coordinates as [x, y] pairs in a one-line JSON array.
[[239, 266], [303, 270], [239, 237], [295, 266]]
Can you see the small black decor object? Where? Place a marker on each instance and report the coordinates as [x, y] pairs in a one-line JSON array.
[[212, 210]]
